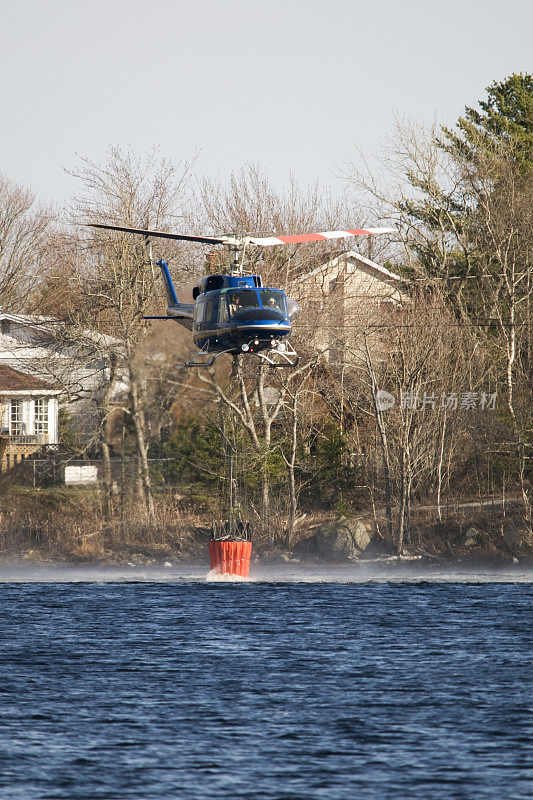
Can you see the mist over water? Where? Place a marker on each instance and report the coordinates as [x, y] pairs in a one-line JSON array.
[[268, 573], [300, 683]]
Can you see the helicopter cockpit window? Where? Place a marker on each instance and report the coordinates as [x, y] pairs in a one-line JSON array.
[[199, 309], [223, 309], [274, 299], [214, 282], [242, 300], [293, 308]]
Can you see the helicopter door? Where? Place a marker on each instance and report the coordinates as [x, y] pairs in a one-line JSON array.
[[223, 315], [208, 313], [199, 314]]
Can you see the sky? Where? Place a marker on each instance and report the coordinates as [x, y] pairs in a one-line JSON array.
[[293, 85]]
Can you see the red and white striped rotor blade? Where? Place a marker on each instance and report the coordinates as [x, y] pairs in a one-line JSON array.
[[268, 241]]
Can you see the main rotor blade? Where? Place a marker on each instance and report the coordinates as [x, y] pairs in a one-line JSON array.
[[163, 234], [261, 241], [268, 241]]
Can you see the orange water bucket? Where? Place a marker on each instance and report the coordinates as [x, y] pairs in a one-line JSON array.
[[230, 558]]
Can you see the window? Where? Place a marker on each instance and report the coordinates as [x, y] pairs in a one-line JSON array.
[[214, 282], [16, 424], [209, 310], [223, 309], [243, 300], [293, 309], [199, 310], [41, 416], [274, 299]]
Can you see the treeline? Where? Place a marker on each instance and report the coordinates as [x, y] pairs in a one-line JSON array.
[[417, 402]]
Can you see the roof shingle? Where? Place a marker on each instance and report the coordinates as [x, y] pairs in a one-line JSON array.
[[13, 380]]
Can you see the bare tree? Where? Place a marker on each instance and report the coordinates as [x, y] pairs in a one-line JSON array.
[[501, 234], [250, 204], [462, 208], [256, 398], [115, 277], [426, 362], [296, 388], [24, 228]]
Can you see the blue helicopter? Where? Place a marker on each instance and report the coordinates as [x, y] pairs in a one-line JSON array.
[[234, 313]]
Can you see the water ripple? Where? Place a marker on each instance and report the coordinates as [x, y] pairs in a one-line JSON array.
[[264, 690]]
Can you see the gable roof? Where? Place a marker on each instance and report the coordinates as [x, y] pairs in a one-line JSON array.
[[49, 324], [11, 380], [25, 319], [381, 272]]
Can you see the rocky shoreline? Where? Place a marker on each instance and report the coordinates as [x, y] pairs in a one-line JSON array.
[[59, 527]]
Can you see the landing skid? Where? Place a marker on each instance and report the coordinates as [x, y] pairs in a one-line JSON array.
[[205, 359], [282, 354]]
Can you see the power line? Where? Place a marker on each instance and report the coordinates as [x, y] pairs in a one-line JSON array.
[[435, 278], [343, 326]]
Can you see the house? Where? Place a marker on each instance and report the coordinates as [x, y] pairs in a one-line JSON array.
[[343, 295], [77, 366], [41, 346], [28, 415]]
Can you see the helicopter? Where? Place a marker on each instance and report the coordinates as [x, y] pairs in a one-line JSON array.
[[235, 313]]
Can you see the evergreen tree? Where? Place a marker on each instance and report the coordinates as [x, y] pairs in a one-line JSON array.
[[506, 116]]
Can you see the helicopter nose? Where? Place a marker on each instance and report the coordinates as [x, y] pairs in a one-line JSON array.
[[257, 314]]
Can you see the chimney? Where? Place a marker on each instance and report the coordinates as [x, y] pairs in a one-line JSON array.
[[212, 261]]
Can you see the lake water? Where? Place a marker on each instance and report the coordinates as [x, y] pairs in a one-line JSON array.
[[161, 685]]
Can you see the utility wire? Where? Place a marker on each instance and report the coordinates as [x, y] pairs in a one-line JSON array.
[[343, 326]]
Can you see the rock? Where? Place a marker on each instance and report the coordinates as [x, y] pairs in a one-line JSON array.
[[167, 564], [342, 539], [469, 537], [517, 536], [306, 547], [447, 530]]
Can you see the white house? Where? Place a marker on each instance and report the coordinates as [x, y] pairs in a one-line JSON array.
[[37, 345], [41, 347], [28, 415]]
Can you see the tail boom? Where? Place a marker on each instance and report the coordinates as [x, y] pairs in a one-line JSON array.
[[169, 286], [180, 312]]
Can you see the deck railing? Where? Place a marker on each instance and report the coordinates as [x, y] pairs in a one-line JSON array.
[[36, 438]]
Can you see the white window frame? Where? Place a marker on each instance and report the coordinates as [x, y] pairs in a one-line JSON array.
[[41, 424], [16, 417]]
